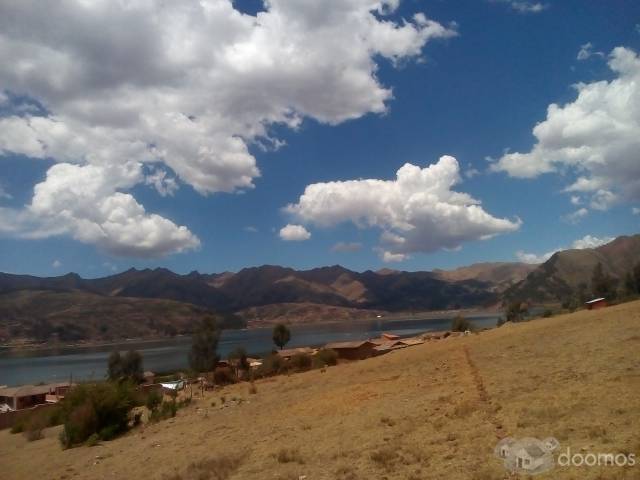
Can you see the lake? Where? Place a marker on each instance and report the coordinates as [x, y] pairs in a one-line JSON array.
[[86, 363]]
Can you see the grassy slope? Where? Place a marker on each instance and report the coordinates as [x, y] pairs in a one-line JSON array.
[[433, 411]]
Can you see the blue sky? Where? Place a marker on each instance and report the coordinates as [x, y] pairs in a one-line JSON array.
[[474, 88]]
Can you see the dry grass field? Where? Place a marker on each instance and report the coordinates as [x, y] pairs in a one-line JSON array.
[[433, 411]]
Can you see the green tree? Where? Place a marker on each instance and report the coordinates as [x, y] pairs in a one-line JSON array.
[[516, 311], [460, 324], [125, 367], [602, 284], [203, 355], [114, 366], [132, 368], [240, 355], [281, 335]]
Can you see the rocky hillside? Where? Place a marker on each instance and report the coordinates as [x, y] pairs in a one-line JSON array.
[[569, 271]]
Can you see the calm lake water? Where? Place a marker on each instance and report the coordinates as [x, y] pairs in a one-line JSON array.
[[84, 363]]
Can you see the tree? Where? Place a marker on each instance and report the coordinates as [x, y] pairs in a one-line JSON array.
[[515, 311], [460, 324], [132, 366], [240, 354], [203, 356], [125, 367], [602, 284], [281, 335], [636, 276], [114, 366]]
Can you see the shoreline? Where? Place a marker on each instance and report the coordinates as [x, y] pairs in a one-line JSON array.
[[393, 317]]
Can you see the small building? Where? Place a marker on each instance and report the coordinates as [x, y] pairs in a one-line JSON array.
[[357, 350], [596, 303], [290, 352], [27, 396], [149, 377]]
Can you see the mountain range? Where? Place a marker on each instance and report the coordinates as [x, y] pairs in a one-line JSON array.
[[160, 302]]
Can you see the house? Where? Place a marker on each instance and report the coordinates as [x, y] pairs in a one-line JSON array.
[[149, 377], [529, 457], [596, 303], [290, 352], [356, 350], [27, 396]]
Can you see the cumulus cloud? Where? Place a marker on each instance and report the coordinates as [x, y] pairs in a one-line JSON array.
[[294, 233], [189, 85], [416, 212], [56, 264], [346, 247], [635, 210], [588, 241], [595, 139], [83, 201], [523, 6]]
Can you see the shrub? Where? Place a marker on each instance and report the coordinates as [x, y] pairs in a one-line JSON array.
[[101, 409], [154, 399], [224, 376], [327, 356], [285, 455], [34, 425], [301, 361], [547, 313], [460, 324], [93, 440], [272, 365], [166, 410], [18, 426]]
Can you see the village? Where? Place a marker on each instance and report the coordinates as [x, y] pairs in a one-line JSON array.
[[18, 403]]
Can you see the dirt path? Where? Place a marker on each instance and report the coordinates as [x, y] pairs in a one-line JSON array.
[[488, 406]]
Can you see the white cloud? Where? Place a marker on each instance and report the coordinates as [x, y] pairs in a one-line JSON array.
[[635, 210], [576, 200], [294, 233], [416, 212], [83, 201], [344, 247], [56, 264], [164, 185], [389, 257], [586, 51], [588, 241], [595, 138], [250, 229], [523, 6], [190, 85], [575, 217]]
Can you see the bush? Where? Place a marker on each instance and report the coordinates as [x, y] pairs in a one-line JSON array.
[[34, 425], [166, 410], [460, 324], [154, 399], [272, 365], [224, 376], [101, 409], [18, 426], [547, 313], [327, 356], [301, 361]]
